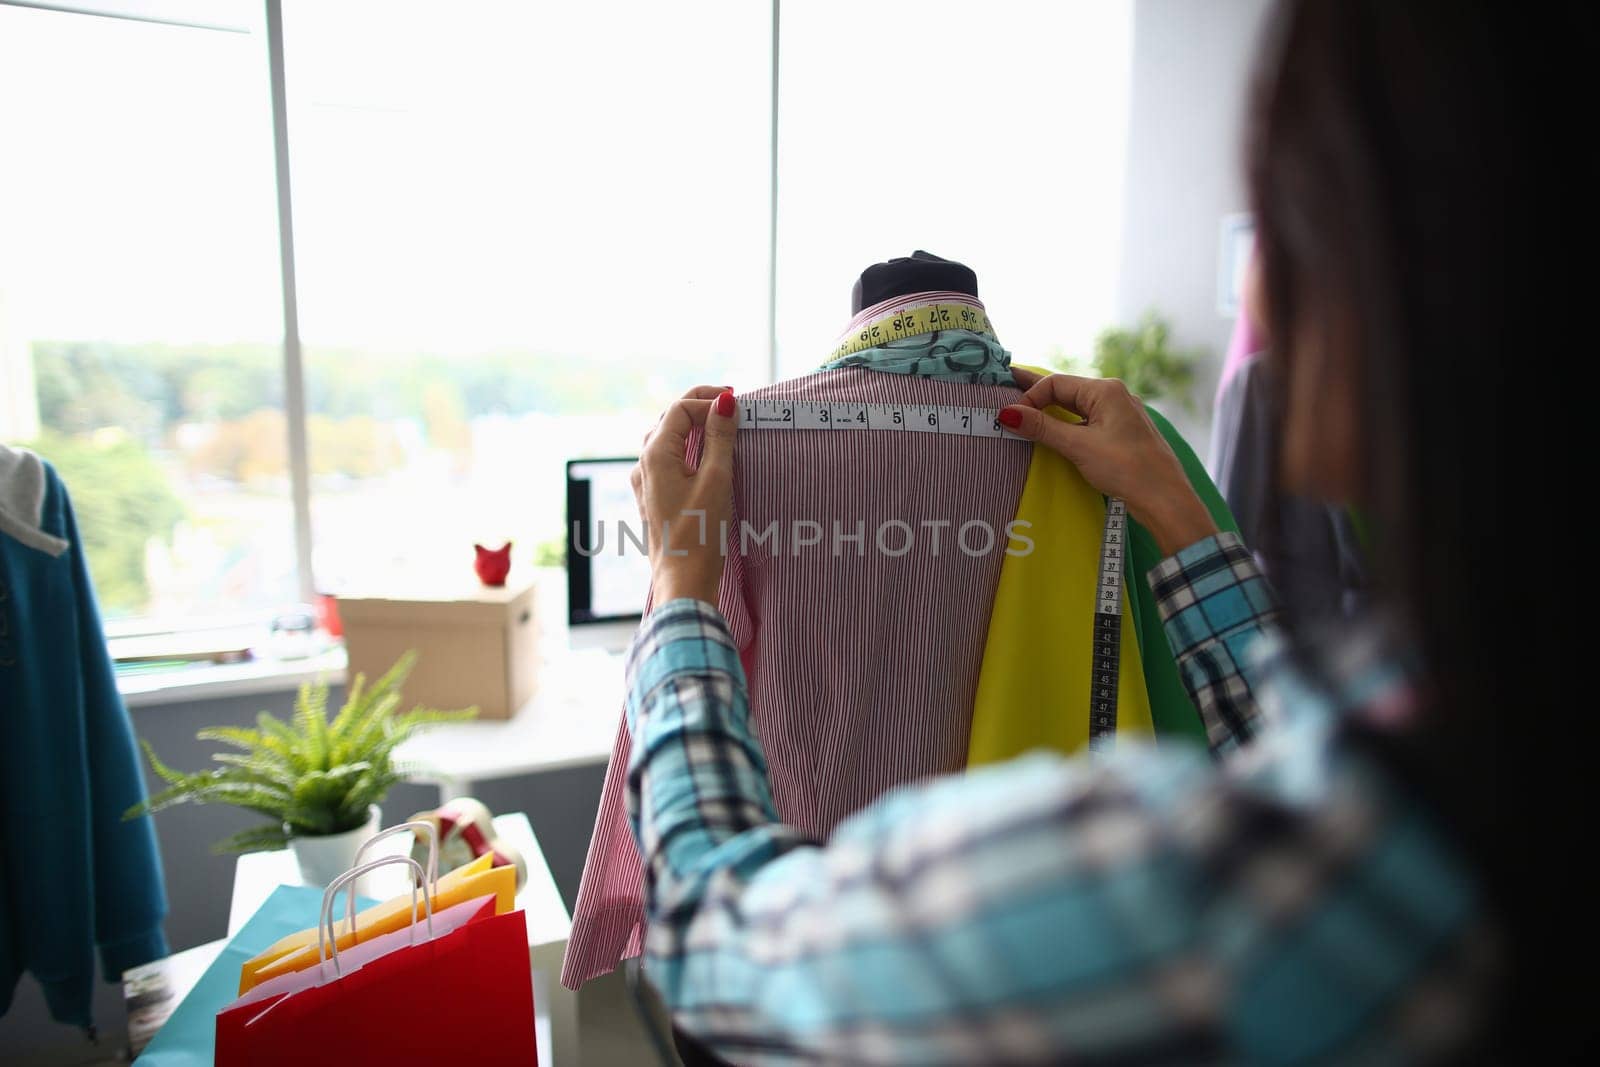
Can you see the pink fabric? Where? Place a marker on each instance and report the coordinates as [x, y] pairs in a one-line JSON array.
[[862, 668], [1245, 342]]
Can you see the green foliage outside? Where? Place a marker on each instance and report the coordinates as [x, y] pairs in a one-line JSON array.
[[139, 430], [308, 776], [1144, 359], [117, 415], [147, 390], [551, 552], [122, 500], [254, 449]]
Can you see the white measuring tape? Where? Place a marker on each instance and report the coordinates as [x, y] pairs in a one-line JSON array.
[[958, 421], [948, 419]]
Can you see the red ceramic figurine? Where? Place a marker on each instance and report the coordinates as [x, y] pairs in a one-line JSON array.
[[493, 564]]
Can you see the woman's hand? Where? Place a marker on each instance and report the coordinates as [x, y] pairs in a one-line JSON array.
[[1117, 448], [683, 509]]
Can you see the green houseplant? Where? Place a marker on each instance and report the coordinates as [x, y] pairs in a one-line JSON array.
[[317, 781], [1145, 360]]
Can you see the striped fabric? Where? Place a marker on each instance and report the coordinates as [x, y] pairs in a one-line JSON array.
[[870, 650]]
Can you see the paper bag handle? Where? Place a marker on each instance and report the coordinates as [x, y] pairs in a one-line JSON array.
[[325, 934], [414, 825], [433, 858]]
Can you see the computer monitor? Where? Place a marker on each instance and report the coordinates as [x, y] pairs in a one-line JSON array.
[[608, 575]]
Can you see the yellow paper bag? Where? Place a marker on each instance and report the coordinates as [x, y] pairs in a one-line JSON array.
[[299, 951]]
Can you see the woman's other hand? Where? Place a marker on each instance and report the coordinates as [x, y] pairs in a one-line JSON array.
[[1116, 447], [683, 509]]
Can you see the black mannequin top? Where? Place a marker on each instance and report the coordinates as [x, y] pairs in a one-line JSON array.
[[919, 272]]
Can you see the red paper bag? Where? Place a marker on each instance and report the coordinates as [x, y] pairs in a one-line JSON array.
[[466, 995]]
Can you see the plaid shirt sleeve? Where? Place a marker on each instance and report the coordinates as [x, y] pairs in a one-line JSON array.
[[1146, 906], [1214, 604]]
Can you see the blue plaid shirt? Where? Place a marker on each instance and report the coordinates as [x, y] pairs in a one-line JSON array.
[[1281, 902]]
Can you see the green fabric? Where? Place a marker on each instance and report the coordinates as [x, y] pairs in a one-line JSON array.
[[943, 355], [1170, 707]]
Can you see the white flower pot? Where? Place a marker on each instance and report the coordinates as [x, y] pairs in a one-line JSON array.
[[324, 857]]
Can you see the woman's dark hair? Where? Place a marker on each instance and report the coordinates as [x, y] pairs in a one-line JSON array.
[[1406, 163]]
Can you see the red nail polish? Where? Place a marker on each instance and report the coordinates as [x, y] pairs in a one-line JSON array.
[[1010, 418], [725, 404]]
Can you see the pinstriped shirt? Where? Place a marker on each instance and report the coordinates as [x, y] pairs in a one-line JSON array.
[[860, 573], [1285, 903]]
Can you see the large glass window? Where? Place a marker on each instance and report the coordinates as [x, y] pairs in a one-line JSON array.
[[139, 304], [520, 230], [990, 133]]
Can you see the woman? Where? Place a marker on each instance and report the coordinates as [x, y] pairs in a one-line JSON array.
[[1350, 878]]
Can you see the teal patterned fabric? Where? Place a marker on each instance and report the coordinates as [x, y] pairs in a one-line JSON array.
[[943, 355]]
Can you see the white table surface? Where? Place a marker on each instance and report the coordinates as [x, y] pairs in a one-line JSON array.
[[259, 873], [216, 681]]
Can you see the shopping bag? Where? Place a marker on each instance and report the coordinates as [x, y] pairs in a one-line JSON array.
[[188, 1036], [299, 951], [465, 997], [300, 938], [363, 953], [463, 993]]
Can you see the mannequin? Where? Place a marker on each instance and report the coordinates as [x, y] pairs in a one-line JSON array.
[[920, 272]]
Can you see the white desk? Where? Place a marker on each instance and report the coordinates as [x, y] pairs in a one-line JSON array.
[[549, 925]]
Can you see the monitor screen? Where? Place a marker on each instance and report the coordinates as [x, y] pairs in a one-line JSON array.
[[608, 574]]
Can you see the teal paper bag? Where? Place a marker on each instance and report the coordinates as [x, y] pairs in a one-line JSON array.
[[189, 1037]]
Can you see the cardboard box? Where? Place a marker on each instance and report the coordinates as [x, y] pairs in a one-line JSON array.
[[478, 647]]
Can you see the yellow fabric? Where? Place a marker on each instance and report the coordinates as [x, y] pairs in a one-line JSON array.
[[1033, 687], [299, 951]]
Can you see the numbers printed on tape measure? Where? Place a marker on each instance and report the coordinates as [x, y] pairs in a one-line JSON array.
[[913, 322], [947, 419], [1106, 661]]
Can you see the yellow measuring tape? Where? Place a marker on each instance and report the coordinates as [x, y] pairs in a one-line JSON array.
[[910, 322]]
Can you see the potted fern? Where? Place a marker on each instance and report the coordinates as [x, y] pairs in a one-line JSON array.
[[1144, 358], [318, 782]]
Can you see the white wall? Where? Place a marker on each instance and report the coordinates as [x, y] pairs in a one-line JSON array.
[[1191, 62]]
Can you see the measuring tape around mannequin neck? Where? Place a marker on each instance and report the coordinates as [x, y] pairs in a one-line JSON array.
[[953, 420], [912, 321]]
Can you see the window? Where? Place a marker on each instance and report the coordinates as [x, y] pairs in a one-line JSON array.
[[520, 231], [139, 303], [992, 134]]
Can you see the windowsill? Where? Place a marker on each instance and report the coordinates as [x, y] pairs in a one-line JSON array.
[[219, 681]]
